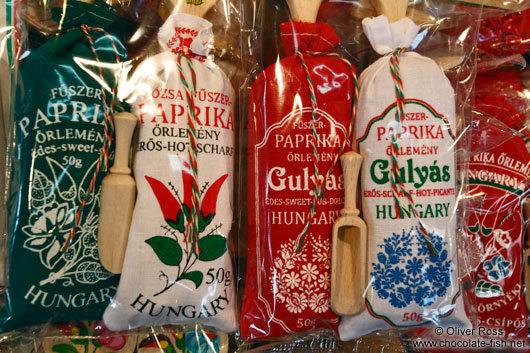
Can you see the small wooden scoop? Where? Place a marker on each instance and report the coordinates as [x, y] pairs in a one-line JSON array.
[[526, 255], [394, 10], [304, 10], [118, 193], [349, 246]]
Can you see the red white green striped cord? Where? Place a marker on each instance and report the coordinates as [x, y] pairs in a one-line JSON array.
[[108, 129], [193, 222], [319, 190], [397, 182]]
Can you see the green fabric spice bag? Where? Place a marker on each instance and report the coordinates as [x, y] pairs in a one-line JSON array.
[[62, 140]]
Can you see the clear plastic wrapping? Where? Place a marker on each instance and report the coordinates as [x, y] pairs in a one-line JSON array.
[[279, 298], [74, 77], [194, 280], [303, 176]]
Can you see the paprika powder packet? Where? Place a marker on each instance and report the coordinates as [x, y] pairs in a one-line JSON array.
[[299, 107], [498, 177], [62, 142], [500, 94], [506, 35], [405, 131], [177, 267]]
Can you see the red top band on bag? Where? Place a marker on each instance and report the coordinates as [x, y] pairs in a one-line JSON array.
[[287, 285], [307, 37], [505, 35], [500, 93]]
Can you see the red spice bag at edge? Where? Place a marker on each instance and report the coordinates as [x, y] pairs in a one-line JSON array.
[[288, 268], [498, 179]]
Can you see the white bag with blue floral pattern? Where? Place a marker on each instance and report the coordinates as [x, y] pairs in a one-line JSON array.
[[408, 188]]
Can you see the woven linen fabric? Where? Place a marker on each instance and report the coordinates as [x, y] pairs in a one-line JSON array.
[[169, 276], [287, 286]]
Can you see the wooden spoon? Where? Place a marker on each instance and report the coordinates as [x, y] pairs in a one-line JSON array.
[[526, 255], [118, 194], [394, 10], [304, 10], [349, 246]]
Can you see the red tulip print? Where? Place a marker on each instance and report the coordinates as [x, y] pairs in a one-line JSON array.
[[107, 338], [168, 202], [171, 206], [177, 214], [209, 201]]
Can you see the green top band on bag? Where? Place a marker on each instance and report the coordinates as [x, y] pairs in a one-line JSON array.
[[63, 90]]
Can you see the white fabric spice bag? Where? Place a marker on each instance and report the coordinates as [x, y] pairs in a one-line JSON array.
[[177, 268], [407, 144]]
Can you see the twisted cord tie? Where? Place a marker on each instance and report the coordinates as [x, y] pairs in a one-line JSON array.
[[108, 129], [396, 180], [319, 190], [192, 227]]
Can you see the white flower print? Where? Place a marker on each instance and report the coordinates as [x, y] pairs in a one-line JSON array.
[[298, 285], [503, 238], [297, 303], [292, 280], [324, 280], [47, 231], [319, 303], [309, 272], [289, 264]]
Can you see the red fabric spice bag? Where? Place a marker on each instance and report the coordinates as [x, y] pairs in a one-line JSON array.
[[500, 93], [288, 264], [499, 174], [505, 35]]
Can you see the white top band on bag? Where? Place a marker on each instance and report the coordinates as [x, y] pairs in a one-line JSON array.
[[186, 31], [386, 37]]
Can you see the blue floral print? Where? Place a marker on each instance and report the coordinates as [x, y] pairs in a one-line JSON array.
[[406, 272], [498, 268]]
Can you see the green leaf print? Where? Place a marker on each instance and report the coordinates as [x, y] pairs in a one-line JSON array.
[[212, 247], [205, 221], [64, 348], [486, 231], [194, 276], [179, 223], [167, 249], [485, 289]]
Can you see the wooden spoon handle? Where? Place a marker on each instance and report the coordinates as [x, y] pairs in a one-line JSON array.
[[304, 10], [124, 123], [118, 194], [394, 10], [351, 163]]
